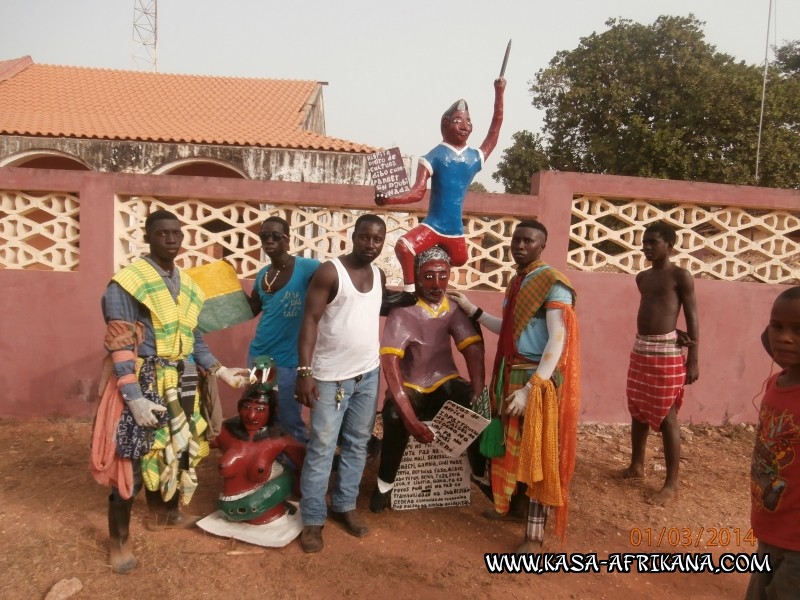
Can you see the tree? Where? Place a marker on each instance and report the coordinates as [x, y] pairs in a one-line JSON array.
[[658, 101], [477, 186], [787, 58], [520, 161]]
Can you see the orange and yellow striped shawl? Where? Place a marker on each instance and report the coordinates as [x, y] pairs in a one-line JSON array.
[[524, 298]]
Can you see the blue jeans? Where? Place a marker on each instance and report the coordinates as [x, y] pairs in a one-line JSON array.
[[355, 418], [290, 416]]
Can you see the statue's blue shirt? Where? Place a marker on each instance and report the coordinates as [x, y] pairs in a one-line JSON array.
[[451, 173]]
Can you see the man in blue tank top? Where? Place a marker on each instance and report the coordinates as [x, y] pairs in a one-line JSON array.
[[279, 292]]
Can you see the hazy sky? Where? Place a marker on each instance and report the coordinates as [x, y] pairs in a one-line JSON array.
[[392, 67]]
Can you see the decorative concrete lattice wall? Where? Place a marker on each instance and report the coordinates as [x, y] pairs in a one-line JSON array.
[[39, 232], [42, 232], [215, 230], [714, 242]]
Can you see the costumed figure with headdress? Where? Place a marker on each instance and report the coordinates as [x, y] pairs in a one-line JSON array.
[[535, 390]]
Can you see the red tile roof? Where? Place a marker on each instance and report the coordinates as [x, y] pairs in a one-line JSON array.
[[80, 102]]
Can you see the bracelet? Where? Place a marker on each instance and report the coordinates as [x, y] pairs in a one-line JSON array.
[[477, 314], [305, 372]]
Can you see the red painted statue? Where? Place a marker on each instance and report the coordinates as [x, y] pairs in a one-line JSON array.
[[260, 464]]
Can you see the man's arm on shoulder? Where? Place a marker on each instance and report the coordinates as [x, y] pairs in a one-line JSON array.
[[685, 285]]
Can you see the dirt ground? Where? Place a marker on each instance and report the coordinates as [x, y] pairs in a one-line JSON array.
[[53, 526]]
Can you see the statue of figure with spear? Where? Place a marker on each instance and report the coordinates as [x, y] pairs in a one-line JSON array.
[[450, 166]]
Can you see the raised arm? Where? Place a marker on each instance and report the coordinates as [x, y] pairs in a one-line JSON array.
[[490, 142], [321, 289], [685, 284]]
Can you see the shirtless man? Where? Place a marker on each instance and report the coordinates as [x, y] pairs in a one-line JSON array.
[[658, 372]]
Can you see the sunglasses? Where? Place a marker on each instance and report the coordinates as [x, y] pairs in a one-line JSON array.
[[275, 236]]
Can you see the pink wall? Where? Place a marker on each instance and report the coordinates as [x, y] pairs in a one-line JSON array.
[[52, 330], [733, 364]]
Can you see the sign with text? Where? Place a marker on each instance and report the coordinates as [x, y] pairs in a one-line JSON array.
[[428, 478], [436, 475], [388, 172], [456, 427]]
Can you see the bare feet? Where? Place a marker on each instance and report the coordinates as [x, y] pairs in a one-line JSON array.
[[633, 473], [664, 496]]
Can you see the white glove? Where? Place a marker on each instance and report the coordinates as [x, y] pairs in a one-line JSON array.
[[460, 299], [517, 401], [235, 378], [142, 411]]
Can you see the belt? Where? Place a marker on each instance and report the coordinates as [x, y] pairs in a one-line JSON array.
[[524, 366]]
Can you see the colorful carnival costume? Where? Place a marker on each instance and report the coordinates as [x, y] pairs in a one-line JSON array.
[[540, 447], [153, 356], [165, 369]]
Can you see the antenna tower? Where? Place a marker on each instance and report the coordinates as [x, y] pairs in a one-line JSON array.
[[145, 35]]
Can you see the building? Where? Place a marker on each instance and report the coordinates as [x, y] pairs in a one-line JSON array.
[[112, 121]]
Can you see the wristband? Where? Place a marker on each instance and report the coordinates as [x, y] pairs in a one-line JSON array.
[[477, 314]]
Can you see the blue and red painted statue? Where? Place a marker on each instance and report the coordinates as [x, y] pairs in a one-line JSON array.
[[450, 166]]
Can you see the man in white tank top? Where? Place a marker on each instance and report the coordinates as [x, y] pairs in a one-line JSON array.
[[340, 330]]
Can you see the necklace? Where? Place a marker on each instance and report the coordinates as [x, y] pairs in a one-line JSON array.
[[267, 283]]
